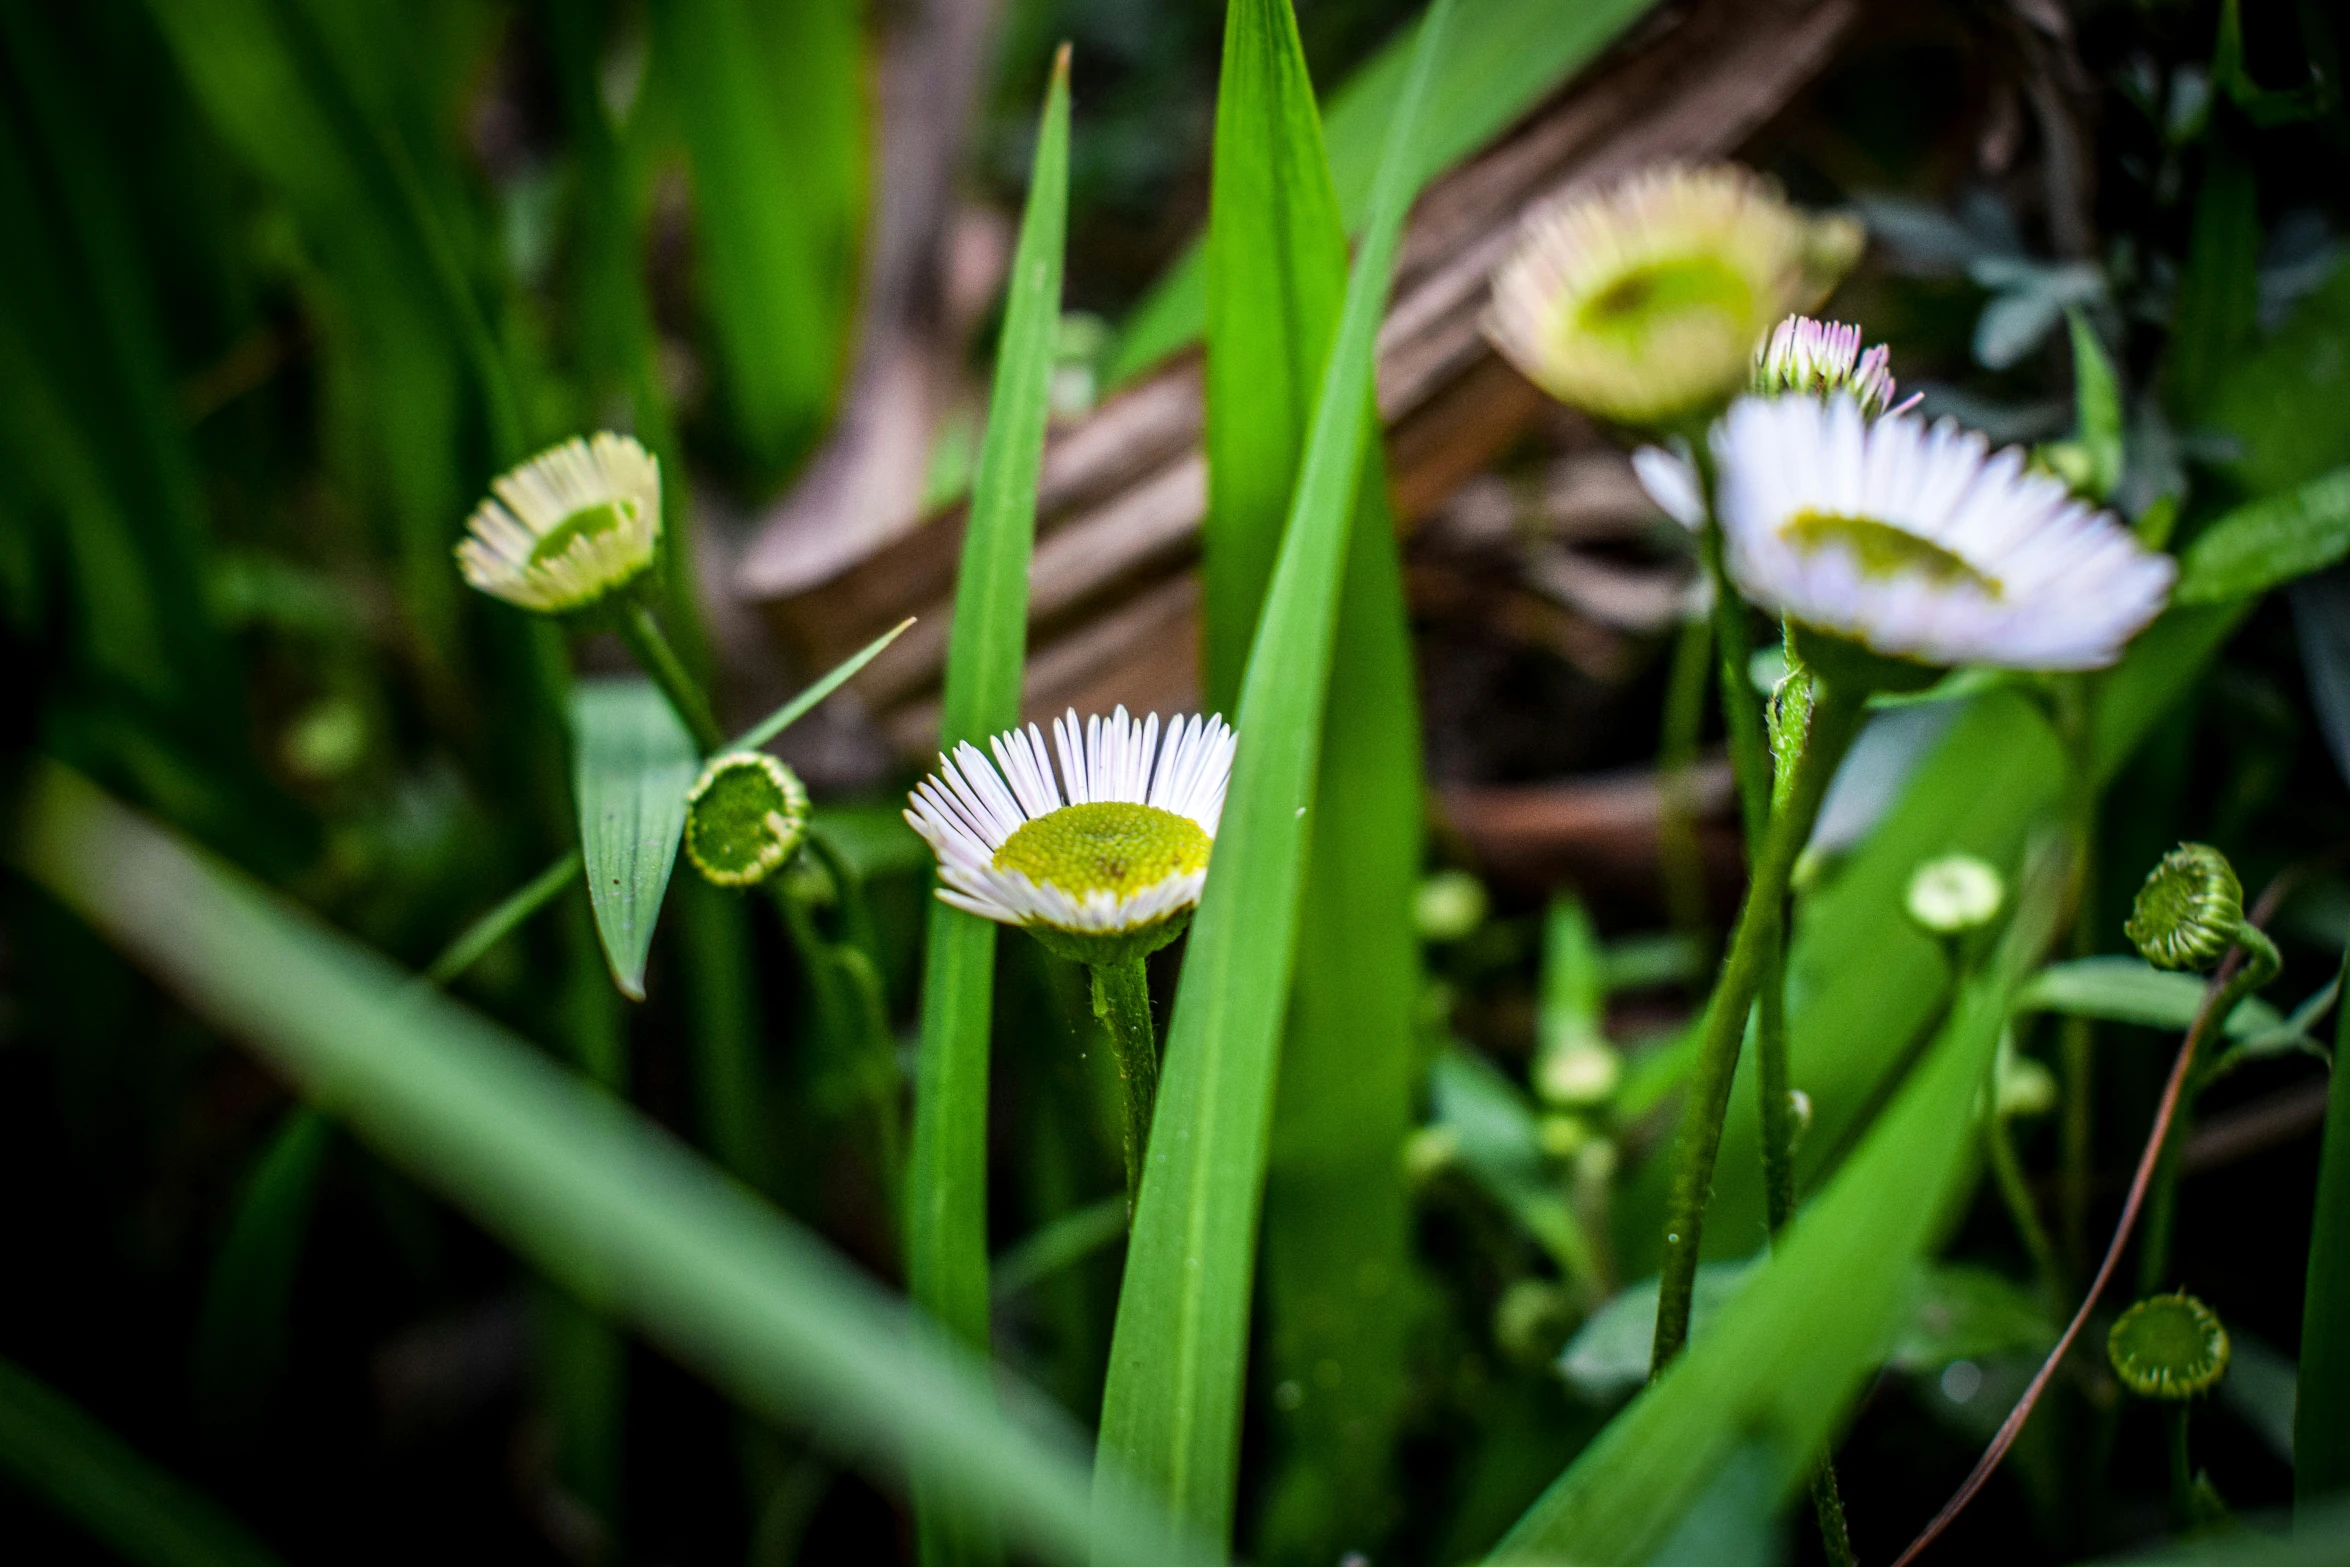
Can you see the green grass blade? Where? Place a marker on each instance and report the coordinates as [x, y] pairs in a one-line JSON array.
[[2321, 1418], [1511, 52], [606, 1203], [946, 1177], [2117, 989], [474, 942], [807, 701], [769, 98], [1171, 1410], [2268, 542], [633, 764], [1335, 1212], [55, 1450], [241, 1338], [1784, 1358]]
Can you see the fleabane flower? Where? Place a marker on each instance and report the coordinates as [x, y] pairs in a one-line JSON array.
[[567, 527], [1822, 358], [1919, 543], [1644, 303], [1113, 852]]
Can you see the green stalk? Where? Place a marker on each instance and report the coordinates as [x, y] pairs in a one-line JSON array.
[[1835, 718], [474, 942], [2007, 1172], [1678, 848], [1750, 748], [641, 634], [2077, 1050], [2182, 1468], [1122, 1000], [2321, 1411], [2260, 966]]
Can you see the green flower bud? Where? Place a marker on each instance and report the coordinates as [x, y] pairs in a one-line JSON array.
[[2170, 1347], [1449, 905], [1579, 1075], [1953, 895], [2190, 911], [744, 817], [1532, 1320]]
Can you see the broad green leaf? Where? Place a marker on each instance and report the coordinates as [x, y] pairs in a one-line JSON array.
[[597, 1196], [632, 765], [771, 104], [1609, 1355], [2219, 292], [2268, 543], [946, 1176], [1336, 1219], [1171, 1407], [1782, 1361], [2321, 1424], [1511, 53], [2119, 989], [1494, 1134], [2286, 403], [55, 1450], [2319, 1537]]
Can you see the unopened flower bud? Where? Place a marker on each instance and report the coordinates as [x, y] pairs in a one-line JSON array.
[[2170, 1347], [1579, 1075], [1953, 895], [2190, 910], [744, 817]]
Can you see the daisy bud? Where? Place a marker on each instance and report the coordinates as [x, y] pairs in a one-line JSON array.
[[1819, 358], [1643, 303], [1954, 895], [2190, 911], [568, 527], [2168, 1347], [1107, 874], [744, 817]]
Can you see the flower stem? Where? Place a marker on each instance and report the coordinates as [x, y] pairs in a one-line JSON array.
[[1122, 1000], [2007, 1172], [1750, 749], [2182, 1470], [1835, 717], [643, 637], [2075, 713], [1678, 850]]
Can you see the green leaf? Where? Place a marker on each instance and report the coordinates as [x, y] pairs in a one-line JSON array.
[[2286, 403], [1608, 1356], [2321, 1424], [2097, 404], [771, 102], [1336, 1217], [242, 1337], [1781, 1363], [1171, 1407], [2117, 989], [946, 1178], [1498, 1142], [2268, 543], [632, 766], [1511, 53], [605, 1202], [807, 701], [2219, 292], [55, 1450]]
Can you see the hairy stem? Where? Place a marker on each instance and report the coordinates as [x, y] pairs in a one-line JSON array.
[[1835, 718], [1122, 1000]]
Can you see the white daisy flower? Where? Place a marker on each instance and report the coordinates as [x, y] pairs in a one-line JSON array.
[[1922, 544], [1117, 848], [1822, 358], [568, 526], [1644, 303]]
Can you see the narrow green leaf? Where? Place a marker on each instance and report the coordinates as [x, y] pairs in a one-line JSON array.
[[242, 1336], [2097, 404], [605, 1202], [55, 1450], [946, 1177], [632, 765], [2268, 543], [1493, 1128], [1336, 1219], [1171, 1409], [1782, 1361], [474, 942], [2321, 1421], [1511, 53], [2219, 292], [807, 701], [2116, 989], [770, 101]]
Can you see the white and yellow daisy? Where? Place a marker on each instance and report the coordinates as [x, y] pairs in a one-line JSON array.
[[1822, 358], [567, 527], [1117, 848], [1644, 303], [1919, 543]]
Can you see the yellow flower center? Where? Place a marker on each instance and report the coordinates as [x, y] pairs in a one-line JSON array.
[[1672, 288], [1882, 550], [586, 523], [1112, 846]]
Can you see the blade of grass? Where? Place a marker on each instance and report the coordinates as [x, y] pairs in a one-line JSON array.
[[946, 1177], [1782, 1361], [807, 701], [632, 768], [241, 1337], [85, 1471], [1171, 1409], [602, 1200], [1511, 53], [2321, 1408], [1335, 1214], [475, 941]]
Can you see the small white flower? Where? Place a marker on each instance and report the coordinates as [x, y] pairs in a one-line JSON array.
[[1824, 357], [568, 526], [1118, 845], [1920, 543]]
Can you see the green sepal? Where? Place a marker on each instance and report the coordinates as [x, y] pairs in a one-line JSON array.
[[1096, 950]]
